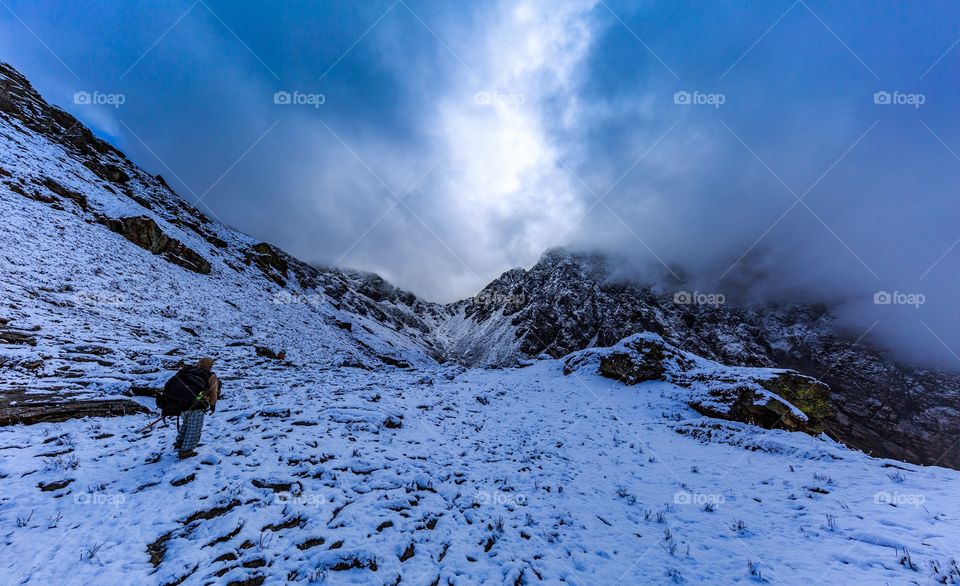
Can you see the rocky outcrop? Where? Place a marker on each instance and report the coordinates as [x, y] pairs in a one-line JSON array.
[[145, 233], [29, 413], [270, 260], [770, 398], [643, 358]]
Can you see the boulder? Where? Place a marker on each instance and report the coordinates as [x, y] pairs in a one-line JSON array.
[[643, 358], [746, 405]]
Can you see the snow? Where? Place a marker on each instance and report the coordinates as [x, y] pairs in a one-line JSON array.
[[585, 476]]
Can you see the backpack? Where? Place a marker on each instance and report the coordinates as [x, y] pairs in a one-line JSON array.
[[184, 392]]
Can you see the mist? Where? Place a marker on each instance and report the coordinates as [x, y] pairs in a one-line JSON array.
[[782, 151]]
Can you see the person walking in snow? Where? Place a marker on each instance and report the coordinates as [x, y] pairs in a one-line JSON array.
[[188, 394]]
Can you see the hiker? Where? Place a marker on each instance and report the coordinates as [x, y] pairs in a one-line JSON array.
[[189, 393]]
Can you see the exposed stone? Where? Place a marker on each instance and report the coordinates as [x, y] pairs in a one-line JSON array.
[[53, 411], [646, 360], [745, 405], [17, 338], [145, 233], [270, 260], [74, 196]]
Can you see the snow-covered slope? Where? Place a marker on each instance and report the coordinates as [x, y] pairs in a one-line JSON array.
[[106, 270], [492, 477], [360, 457]]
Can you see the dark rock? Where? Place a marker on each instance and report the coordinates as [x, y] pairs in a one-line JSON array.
[[145, 233], [264, 352], [107, 171], [393, 361], [89, 349], [645, 359], [275, 486], [158, 549], [271, 261], [17, 338], [184, 480], [51, 411], [212, 513], [74, 196], [52, 486], [143, 392], [745, 405]]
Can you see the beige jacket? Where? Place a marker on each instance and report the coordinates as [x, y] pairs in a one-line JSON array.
[[213, 390]]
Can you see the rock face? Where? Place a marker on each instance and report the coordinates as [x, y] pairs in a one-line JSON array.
[[145, 233]]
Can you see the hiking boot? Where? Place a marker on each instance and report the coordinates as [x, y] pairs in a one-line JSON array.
[[186, 454]]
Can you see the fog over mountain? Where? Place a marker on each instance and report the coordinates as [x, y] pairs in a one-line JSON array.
[[507, 128]]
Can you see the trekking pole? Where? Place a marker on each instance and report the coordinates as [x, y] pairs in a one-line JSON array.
[[151, 424]]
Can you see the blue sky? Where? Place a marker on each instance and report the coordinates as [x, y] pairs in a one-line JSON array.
[[498, 125]]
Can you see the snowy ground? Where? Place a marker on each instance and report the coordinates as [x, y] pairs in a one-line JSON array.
[[491, 477]]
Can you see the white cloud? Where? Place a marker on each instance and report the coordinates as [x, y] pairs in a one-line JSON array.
[[507, 185]]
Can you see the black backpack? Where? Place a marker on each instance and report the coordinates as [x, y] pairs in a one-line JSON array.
[[184, 392]]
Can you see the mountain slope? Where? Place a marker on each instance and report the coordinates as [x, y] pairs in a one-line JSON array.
[[568, 302], [97, 254]]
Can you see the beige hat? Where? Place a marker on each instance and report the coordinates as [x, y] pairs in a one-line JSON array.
[[205, 363]]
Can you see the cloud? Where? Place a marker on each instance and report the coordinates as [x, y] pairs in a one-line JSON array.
[[499, 124]]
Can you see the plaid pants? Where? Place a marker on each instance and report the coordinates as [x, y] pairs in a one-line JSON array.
[[190, 428]]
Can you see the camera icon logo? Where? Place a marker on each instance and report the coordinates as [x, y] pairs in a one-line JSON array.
[[882, 98], [882, 298], [683, 297], [282, 98], [82, 98], [681, 97], [482, 98]]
